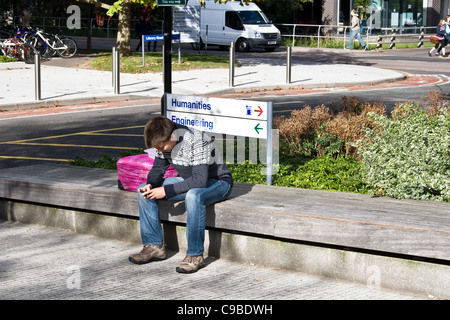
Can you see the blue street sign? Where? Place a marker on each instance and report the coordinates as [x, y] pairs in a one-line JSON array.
[[159, 37]]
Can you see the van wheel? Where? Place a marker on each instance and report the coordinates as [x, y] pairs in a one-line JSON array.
[[242, 45]]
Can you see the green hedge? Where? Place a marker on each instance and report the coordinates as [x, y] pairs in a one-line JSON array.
[[326, 173], [408, 156]]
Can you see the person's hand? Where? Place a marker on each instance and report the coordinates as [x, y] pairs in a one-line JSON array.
[[153, 193], [145, 190], [156, 193]]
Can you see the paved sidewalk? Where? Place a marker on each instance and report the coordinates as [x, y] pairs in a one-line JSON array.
[[62, 86], [46, 263]]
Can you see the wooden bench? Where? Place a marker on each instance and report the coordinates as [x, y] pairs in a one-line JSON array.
[[334, 234]]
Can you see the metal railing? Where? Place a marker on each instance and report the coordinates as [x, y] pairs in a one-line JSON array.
[[319, 33], [392, 36], [377, 37], [106, 26]]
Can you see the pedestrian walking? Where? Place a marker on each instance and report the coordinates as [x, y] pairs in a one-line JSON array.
[[151, 28], [355, 31], [141, 28], [440, 35]]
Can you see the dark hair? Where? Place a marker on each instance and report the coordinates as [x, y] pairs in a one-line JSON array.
[[158, 129]]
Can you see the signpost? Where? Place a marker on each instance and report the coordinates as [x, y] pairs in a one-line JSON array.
[[241, 118], [167, 48]]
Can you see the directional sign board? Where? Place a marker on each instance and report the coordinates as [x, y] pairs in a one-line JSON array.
[[171, 2], [227, 116], [242, 118]]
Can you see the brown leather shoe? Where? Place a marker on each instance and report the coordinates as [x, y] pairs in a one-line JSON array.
[[191, 264], [148, 253]]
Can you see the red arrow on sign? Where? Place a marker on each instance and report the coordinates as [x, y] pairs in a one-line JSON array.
[[260, 111]]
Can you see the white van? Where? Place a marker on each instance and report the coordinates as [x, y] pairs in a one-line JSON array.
[[247, 26]]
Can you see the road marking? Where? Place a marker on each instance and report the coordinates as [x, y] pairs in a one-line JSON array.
[[34, 142], [72, 145], [110, 134], [69, 135], [289, 102], [34, 158]]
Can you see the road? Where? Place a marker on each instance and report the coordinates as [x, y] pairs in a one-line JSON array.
[[408, 61], [58, 135]]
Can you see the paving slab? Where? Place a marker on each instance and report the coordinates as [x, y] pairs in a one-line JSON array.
[[42, 263]]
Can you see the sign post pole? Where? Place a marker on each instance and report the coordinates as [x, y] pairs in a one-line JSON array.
[[231, 65], [143, 50], [167, 49], [269, 162]]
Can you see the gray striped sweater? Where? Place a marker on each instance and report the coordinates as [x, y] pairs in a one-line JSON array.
[[196, 160]]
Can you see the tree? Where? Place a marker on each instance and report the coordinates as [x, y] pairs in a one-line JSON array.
[[123, 9], [288, 13], [362, 7], [124, 18]]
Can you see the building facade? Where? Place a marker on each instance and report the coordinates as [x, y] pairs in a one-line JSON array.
[[387, 13]]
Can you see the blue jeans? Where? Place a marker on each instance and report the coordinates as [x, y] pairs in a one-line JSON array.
[[196, 201], [355, 34]]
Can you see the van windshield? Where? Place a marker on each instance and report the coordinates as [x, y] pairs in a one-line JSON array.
[[253, 17]]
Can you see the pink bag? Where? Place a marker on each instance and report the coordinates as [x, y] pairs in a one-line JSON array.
[[132, 171]]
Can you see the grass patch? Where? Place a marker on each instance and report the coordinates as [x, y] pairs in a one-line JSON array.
[[6, 59], [154, 62]]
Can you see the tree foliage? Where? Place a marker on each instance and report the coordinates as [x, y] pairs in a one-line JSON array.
[[123, 9]]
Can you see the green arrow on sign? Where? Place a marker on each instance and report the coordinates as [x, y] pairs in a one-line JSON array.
[[258, 128]]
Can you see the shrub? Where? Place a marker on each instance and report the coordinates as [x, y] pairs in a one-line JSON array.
[[326, 173], [349, 125], [318, 132], [300, 132], [410, 156], [105, 162]]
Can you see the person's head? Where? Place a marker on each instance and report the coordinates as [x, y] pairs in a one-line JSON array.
[[442, 22], [158, 133], [353, 12], [447, 19]]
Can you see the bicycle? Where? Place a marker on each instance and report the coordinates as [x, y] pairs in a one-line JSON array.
[[17, 48], [49, 45]]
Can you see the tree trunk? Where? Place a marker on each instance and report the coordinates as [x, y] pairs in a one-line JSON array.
[[123, 32]]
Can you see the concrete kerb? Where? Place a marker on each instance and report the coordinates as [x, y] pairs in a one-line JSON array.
[[293, 86], [65, 102]]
